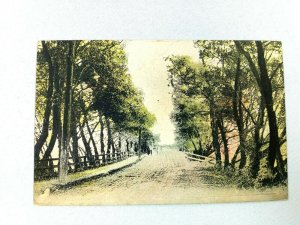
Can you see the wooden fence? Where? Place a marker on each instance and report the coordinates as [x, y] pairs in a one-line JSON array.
[[46, 168], [200, 158]]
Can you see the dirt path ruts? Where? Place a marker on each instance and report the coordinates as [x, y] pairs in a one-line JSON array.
[[162, 178]]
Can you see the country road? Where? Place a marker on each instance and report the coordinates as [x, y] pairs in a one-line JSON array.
[[166, 177]]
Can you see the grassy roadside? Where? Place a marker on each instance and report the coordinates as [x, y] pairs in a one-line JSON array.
[[41, 186], [240, 179]]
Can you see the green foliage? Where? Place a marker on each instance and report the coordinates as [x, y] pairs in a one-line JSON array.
[[101, 86], [224, 87], [190, 109], [103, 66]]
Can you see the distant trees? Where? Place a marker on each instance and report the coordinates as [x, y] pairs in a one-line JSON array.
[[84, 96], [220, 103]]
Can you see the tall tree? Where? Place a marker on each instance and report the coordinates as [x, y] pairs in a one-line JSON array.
[[64, 153], [238, 111], [265, 86], [56, 121], [45, 128]]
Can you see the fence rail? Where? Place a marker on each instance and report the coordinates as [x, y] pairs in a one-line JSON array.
[[200, 158], [46, 168]]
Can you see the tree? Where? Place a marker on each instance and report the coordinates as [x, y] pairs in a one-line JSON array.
[[194, 100], [84, 83], [45, 127], [64, 153], [234, 84], [265, 86]]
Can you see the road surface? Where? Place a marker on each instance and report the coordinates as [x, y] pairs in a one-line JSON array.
[[166, 177]]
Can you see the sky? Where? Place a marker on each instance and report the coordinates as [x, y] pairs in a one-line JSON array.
[[149, 73]]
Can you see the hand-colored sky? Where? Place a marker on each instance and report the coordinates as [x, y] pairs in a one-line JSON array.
[[149, 73]]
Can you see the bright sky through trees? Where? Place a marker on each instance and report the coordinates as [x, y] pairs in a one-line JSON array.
[[149, 73]]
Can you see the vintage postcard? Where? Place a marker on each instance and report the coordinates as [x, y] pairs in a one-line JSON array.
[[159, 122]]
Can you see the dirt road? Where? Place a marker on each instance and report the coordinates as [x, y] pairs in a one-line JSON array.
[[166, 177]]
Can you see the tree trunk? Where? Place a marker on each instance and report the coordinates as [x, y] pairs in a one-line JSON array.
[[64, 155], [45, 127], [120, 142], [255, 157], [113, 146], [215, 136], [225, 143], [92, 139], [56, 122], [200, 146], [75, 140], [195, 147], [266, 88], [102, 146], [86, 146], [139, 144], [109, 141], [127, 145], [238, 113], [233, 160]]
